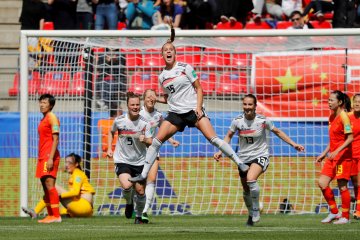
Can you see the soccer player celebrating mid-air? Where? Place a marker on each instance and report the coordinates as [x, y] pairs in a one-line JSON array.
[[155, 118], [339, 158], [184, 95], [254, 151], [49, 157], [78, 201], [129, 155], [355, 168]]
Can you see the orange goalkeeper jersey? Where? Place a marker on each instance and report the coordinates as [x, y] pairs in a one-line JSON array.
[[78, 184], [48, 125], [339, 127]]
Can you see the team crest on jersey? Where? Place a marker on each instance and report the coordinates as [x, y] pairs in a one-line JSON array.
[[55, 128], [194, 74]]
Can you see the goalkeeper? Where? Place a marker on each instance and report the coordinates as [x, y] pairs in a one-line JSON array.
[[78, 201], [254, 151]]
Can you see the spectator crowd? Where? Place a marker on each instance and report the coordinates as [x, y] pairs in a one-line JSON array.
[[186, 14]]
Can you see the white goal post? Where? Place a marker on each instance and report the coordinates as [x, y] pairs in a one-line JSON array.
[[290, 71]]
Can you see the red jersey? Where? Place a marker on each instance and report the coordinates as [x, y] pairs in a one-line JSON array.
[[355, 125], [339, 127], [47, 127]]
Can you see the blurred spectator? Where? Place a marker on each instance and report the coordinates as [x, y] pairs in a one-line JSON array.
[[344, 14], [272, 7], [234, 10], [111, 78], [140, 14], [199, 13], [32, 15], [169, 10], [298, 21], [122, 5], [319, 7], [289, 6], [63, 14], [84, 14], [106, 13]]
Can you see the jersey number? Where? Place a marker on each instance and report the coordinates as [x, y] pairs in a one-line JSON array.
[[129, 141], [249, 140], [263, 161], [171, 88]]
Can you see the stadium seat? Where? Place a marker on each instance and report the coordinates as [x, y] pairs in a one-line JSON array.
[[229, 26], [240, 60], [192, 59], [322, 24], [232, 83], [133, 57], [215, 58], [78, 84], [121, 25], [152, 58], [187, 49], [260, 25], [55, 83], [48, 26], [140, 81], [283, 24], [33, 84], [208, 82]]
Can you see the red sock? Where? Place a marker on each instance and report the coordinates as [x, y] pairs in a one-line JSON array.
[[47, 202], [54, 202], [345, 202], [358, 200], [329, 197]]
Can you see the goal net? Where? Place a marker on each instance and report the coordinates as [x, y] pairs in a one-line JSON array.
[[291, 72]]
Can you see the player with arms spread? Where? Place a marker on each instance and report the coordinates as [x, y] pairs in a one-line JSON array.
[[129, 156], [49, 157], [254, 151], [184, 96]]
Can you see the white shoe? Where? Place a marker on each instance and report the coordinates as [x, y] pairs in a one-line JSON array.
[[331, 217], [256, 216], [342, 221], [30, 212]]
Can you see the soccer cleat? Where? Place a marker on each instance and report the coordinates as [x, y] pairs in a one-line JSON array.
[[331, 217], [145, 218], [357, 215], [250, 222], [129, 209], [138, 178], [138, 220], [342, 221], [256, 216], [50, 219], [243, 167], [29, 212]]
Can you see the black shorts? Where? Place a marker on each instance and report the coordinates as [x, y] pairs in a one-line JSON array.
[[184, 119], [263, 162], [127, 168]]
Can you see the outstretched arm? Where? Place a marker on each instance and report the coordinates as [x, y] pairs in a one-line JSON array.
[[287, 139], [227, 139], [323, 154]]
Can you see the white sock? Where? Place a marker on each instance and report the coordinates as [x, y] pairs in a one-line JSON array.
[[140, 204], [254, 193], [128, 195], [248, 202], [151, 155], [226, 149], [149, 191]]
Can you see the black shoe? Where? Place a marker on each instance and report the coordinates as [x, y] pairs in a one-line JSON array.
[[145, 218], [138, 220], [129, 209], [250, 222]]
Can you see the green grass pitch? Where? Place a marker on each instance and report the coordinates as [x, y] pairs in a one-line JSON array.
[[180, 227]]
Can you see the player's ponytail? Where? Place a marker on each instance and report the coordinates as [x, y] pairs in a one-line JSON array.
[[172, 36], [346, 102]]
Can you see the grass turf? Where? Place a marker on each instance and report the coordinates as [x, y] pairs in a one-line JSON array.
[[180, 227]]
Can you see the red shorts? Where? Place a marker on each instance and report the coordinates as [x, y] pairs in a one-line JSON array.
[[41, 169], [355, 167], [337, 169]]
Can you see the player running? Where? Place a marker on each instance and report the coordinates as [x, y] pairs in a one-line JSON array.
[[129, 155], [254, 151]]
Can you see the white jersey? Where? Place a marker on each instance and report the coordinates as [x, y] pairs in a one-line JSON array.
[[154, 118], [128, 148], [177, 84], [252, 136]]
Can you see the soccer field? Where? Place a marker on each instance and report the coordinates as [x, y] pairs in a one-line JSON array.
[[180, 227]]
